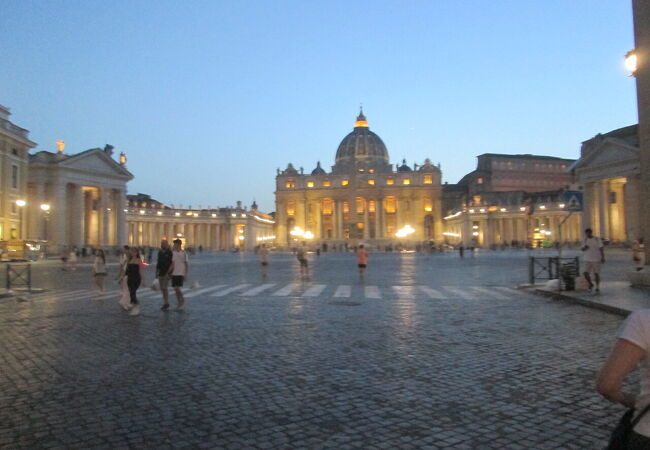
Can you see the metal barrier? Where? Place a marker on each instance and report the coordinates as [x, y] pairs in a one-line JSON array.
[[19, 275], [554, 268]]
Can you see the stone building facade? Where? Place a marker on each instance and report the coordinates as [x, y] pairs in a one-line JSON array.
[[14, 154], [77, 199], [512, 200], [218, 229], [362, 199], [610, 174]]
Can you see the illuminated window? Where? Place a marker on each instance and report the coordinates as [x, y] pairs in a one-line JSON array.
[[290, 184], [428, 179], [328, 206], [361, 205], [372, 206], [390, 181], [327, 183], [371, 182], [310, 184], [291, 208], [360, 225], [346, 207], [390, 205], [479, 181], [371, 170], [361, 170], [428, 205], [476, 199], [406, 181], [344, 182]]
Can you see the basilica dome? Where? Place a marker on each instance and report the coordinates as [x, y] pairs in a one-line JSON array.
[[361, 149]]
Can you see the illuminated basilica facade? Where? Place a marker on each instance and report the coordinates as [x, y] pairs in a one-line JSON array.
[[364, 199]]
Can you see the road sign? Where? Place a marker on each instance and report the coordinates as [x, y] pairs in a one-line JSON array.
[[572, 200]]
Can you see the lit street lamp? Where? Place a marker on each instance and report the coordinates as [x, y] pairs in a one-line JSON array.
[[631, 62]]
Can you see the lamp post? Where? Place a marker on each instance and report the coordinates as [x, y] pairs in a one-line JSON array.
[[45, 207], [21, 204]]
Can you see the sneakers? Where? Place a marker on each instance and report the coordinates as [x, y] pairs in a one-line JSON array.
[[134, 311], [164, 307], [181, 306], [597, 290]]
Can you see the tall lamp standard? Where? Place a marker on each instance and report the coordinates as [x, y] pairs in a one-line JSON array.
[[21, 204], [45, 207]]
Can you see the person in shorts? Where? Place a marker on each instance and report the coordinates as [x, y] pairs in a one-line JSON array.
[[594, 256], [301, 256], [362, 261], [178, 271], [163, 265], [264, 260]]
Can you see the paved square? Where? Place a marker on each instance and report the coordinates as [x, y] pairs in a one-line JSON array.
[[430, 352]]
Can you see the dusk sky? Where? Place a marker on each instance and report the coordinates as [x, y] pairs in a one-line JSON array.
[[208, 98]]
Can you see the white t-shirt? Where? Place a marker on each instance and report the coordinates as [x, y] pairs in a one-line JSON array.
[[592, 254], [636, 329], [178, 260]]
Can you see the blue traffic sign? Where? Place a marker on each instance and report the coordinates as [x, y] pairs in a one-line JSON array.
[[572, 200]]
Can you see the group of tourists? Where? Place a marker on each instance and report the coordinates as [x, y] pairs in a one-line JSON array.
[[172, 266]]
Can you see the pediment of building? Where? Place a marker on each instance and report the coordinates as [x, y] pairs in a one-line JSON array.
[[610, 152], [96, 162]]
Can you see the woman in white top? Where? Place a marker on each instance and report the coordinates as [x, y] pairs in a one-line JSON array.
[[99, 269], [630, 351]]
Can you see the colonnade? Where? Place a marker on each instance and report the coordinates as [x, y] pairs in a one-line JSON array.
[[209, 235]]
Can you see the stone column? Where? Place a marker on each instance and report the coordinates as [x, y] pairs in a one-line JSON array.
[[218, 237], [104, 218], [366, 222], [120, 225], [77, 216], [604, 208], [379, 218], [57, 231], [34, 214], [338, 205]]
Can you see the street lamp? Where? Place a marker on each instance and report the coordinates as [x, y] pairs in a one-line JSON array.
[[21, 204], [631, 61]]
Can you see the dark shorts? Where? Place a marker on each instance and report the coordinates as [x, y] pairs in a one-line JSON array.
[[303, 262], [265, 263], [362, 266], [177, 280]]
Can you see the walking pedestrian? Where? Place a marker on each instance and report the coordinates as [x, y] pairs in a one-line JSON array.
[[461, 250], [72, 259], [594, 256], [630, 351], [263, 255], [125, 298], [163, 265], [362, 261], [301, 256], [99, 269], [638, 254], [134, 278], [179, 271], [64, 258]]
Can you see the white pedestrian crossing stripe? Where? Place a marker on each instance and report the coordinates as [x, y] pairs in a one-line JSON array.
[[342, 291], [432, 293], [203, 291], [230, 290], [288, 289], [257, 290], [314, 291], [401, 292], [372, 292]]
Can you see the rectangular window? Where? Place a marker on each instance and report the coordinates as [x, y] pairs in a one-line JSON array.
[[372, 206], [14, 177], [327, 183], [406, 181], [344, 182], [428, 179], [371, 182], [290, 184], [346, 207], [361, 205], [328, 206], [291, 208], [428, 205], [310, 184], [479, 181], [390, 182], [390, 205]]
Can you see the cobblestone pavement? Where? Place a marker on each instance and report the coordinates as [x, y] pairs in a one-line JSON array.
[[428, 353]]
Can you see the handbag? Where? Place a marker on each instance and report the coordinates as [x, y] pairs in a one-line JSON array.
[[156, 284], [621, 434]]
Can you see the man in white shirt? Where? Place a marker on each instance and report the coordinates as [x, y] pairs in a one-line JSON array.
[[594, 256], [178, 271]]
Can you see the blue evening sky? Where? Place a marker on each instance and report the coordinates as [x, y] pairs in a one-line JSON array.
[[208, 98]]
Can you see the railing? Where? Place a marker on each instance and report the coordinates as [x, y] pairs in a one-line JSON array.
[[554, 268], [19, 275]]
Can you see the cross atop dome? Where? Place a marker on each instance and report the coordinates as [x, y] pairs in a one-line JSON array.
[[361, 120]]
